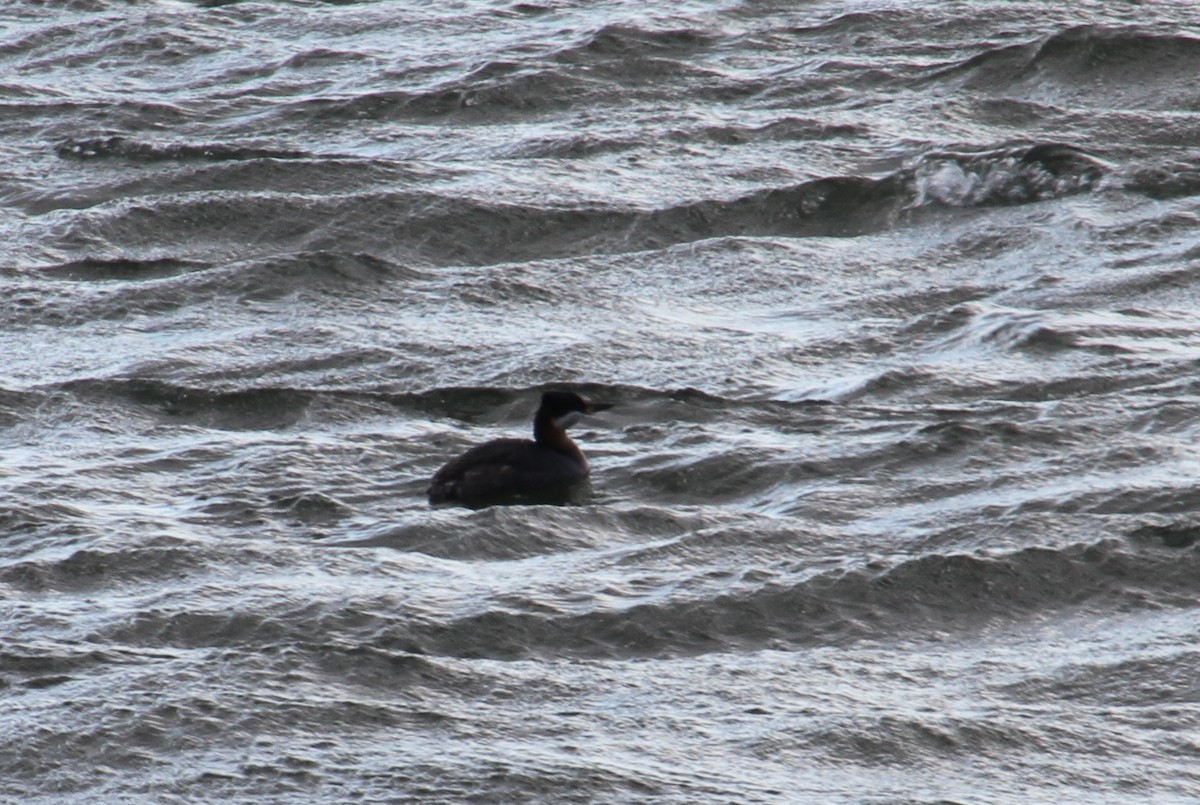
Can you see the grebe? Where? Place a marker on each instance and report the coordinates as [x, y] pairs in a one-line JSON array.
[[505, 468]]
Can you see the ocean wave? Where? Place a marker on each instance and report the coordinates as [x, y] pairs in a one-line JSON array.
[[1103, 332], [102, 269], [94, 289], [614, 63], [246, 409], [1111, 67], [425, 228], [255, 170], [925, 595], [1163, 678], [248, 400], [1115, 56], [93, 568], [1179, 178], [500, 88], [121, 147], [911, 599], [1008, 175], [624, 41]]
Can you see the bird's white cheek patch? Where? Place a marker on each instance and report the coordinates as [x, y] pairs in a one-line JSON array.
[[567, 420]]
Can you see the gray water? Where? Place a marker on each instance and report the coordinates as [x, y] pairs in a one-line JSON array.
[[897, 305]]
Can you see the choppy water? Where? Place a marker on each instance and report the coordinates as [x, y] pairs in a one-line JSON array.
[[898, 305]]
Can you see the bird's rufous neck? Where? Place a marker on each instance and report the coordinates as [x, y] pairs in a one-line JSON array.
[[546, 433]]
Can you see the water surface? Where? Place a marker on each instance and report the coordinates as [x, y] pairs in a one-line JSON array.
[[898, 307]]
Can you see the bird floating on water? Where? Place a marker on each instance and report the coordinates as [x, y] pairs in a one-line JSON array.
[[541, 468]]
